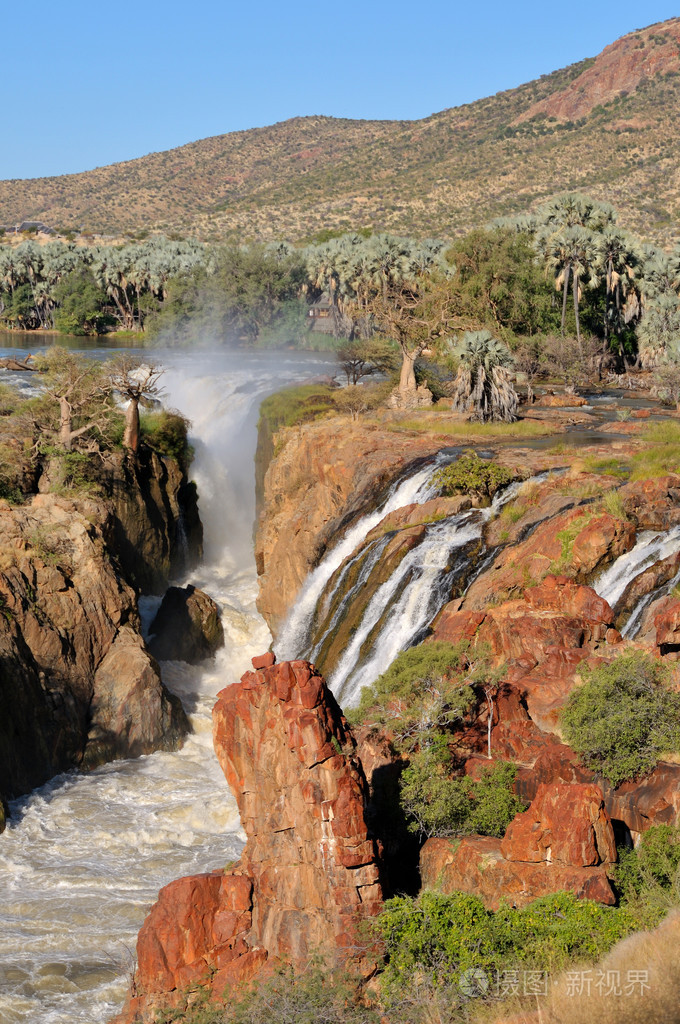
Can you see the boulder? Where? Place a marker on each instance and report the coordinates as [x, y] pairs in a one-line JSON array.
[[564, 401], [131, 712], [476, 865], [565, 824], [187, 627], [654, 504]]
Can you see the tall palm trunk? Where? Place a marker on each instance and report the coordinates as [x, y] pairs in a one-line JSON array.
[[575, 284], [565, 292]]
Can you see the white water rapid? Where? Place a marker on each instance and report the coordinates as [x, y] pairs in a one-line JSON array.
[[414, 490], [83, 857], [649, 548]]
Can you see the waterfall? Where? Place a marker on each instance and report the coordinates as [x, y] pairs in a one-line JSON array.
[[403, 606], [405, 603], [650, 547], [293, 639], [83, 857]]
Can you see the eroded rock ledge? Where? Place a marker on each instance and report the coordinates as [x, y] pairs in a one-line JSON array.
[[309, 874], [77, 684]]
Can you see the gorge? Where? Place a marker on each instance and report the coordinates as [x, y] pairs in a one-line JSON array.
[[86, 854]]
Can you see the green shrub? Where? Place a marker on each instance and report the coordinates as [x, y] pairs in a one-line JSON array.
[[440, 804], [623, 717], [422, 689], [649, 875], [166, 431], [443, 936], [471, 475]]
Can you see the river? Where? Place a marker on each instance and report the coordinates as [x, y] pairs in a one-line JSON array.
[[83, 857]]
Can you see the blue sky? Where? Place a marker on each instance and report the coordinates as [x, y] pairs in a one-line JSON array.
[[89, 84]]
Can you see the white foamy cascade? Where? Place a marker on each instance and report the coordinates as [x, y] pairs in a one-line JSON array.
[[410, 599], [83, 857], [649, 548], [414, 490]]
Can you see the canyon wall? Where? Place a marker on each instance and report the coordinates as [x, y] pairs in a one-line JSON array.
[[78, 685]]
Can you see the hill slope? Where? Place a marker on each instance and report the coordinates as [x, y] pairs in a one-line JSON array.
[[609, 125]]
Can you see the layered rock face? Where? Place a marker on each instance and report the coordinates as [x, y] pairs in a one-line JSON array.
[[323, 476], [309, 874], [79, 685]]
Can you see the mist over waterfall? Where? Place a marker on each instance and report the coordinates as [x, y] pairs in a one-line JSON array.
[[83, 857]]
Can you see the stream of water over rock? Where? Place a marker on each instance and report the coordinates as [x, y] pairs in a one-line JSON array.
[[83, 857]]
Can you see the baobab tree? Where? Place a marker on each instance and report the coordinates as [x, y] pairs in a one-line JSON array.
[[134, 381]]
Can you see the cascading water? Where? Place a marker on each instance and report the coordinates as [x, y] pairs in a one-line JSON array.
[[403, 606], [293, 638], [650, 547], [84, 856]]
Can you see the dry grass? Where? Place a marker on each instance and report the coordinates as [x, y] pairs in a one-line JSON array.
[[656, 952], [431, 423]]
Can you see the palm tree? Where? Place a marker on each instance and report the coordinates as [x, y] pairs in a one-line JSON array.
[[659, 329], [571, 254], [617, 258], [482, 385]]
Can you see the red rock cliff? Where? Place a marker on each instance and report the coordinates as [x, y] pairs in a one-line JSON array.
[[309, 872]]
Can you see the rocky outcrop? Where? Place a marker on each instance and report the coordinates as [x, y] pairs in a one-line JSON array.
[[323, 477], [577, 543], [541, 639], [565, 824], [79, 686], [187, 627], [476, 864], [564, 840], [619, 70], [153, 524], [309, 873], [653, 504]]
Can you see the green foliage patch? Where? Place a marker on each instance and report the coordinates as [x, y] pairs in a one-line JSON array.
[[167, 432], [422, 689], [443, 936], [439, 804], [471, 475], [623, 717]]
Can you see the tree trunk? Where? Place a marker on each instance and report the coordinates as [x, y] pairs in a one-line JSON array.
[[578, 326], [65, 432], [131, 433], [407, 377], [565, 292]]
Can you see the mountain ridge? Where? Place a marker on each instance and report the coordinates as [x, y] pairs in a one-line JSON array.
[[438, 175]]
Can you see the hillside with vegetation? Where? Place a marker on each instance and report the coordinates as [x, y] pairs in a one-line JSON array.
[[608, 124]]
